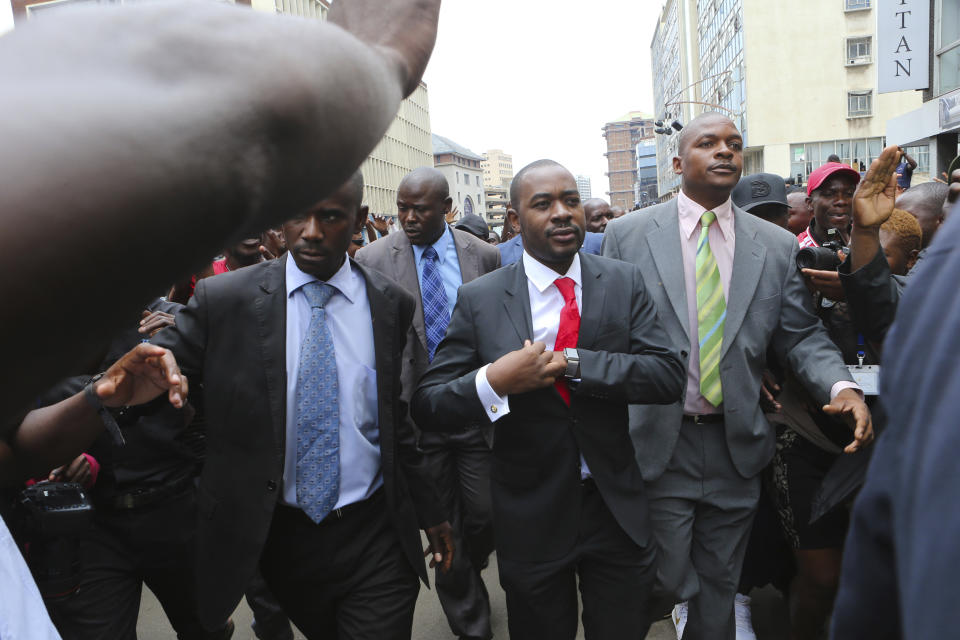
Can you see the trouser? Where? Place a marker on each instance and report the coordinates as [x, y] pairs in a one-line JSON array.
[[702, 510], [460, 463], [126, 548], [345, 578], [269, 620], [616, 577]]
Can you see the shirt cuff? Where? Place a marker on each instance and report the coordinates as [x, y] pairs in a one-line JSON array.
[[495, 406], [844, 384]]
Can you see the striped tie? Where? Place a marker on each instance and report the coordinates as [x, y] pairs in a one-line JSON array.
[[711, 311]]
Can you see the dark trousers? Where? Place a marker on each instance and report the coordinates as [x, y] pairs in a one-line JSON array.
[[460, 463], [269, 620], [616, 577], [125, 549], [345, 578]]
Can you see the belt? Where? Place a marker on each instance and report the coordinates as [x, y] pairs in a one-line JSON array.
[[136, 498], [336, 514], [705, 418]]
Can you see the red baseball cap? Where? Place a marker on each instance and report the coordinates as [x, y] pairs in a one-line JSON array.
[[821, 173]]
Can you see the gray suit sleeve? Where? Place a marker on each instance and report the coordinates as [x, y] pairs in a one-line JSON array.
[[801, 339], [872, 296], [187, 339]]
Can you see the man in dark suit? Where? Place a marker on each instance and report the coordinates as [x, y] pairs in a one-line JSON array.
[[551, 349], [430, 261], [311, 464], [726, 286]]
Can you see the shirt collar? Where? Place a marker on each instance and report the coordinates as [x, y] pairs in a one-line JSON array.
[[543, 276], [690, 213], [343, 280], [441, 245]]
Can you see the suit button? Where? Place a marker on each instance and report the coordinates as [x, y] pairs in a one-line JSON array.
[[411, 361], [683, 354], [271, 485]]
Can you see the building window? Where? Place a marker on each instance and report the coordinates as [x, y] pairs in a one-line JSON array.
[[920, 153], [948, 47], [855, 5], [458, 177], [467, 205], [859, 50], [859, 104]]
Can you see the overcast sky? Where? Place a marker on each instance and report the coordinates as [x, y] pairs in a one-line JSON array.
[[540, 78]]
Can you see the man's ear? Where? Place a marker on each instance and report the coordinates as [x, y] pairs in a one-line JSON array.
[[809, 202], [362, 214], [678, 165], [912, 259], [513, 219], [447, 204]]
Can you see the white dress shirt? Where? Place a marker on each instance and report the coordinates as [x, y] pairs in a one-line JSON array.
[[546, 304], [351, 326], [23, 614]]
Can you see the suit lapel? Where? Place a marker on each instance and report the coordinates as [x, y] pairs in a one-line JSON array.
[[406, 269], [517, 303], [594, 297], [383, 314], [270, 307], [467, 257], [664, 243], [748, 256]]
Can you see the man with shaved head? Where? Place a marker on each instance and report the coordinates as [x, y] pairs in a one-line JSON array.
[[598, 213], [925, 203], [551, 350], [430, 261], [726, 288]]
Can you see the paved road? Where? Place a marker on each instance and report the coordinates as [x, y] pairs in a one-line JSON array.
[[430, 624]]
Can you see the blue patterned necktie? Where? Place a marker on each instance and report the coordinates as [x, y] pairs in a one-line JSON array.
[[435, 314], [318, 411]]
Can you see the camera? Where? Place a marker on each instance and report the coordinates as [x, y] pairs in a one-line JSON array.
[[55, 515], [824, 257]]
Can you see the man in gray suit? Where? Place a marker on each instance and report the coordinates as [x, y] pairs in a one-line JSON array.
[[726, 288], [430, 261]]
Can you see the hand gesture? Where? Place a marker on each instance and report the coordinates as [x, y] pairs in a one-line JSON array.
[[526, 369], [451, 216], [404, 31], [850, 406], [142, 374], [827, 283], [153, 321], [78, 471], [381, 224], [873, 201], [441, 546]]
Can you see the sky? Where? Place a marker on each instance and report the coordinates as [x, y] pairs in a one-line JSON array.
[[540, 78]]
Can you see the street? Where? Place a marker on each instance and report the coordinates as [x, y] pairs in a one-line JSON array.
[[770, 616]]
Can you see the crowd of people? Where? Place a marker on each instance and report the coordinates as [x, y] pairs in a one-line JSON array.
[[658, 410]]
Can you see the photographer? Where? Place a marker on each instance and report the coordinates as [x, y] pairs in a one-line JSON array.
[[809, 442]]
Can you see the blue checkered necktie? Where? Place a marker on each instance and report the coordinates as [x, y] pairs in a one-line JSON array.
[[318, 411], [435, 314]]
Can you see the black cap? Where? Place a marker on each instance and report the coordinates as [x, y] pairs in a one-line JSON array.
[[472, 223], [757, 189]]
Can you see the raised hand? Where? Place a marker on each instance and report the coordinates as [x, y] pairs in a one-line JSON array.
[[873, 201], [403, 30]]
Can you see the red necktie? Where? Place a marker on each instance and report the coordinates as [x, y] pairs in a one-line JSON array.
[[569, 329]]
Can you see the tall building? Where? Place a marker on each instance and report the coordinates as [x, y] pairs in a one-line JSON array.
[[464, 175], [497, 168], [646, 189], [583, 186], [622, 137], [813, 98]]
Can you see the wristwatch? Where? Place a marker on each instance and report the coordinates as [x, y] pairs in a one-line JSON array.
[[90, 395], [573, 364]]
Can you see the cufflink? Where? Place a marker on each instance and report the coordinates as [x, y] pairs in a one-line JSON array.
[[493, 408]]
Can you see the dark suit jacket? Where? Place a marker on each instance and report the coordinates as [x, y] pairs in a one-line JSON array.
[[624, 357], [872, 295], [392, 256], [232, 338], [512, 249]]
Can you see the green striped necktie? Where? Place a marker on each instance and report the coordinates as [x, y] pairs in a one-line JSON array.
[[711, 311]]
